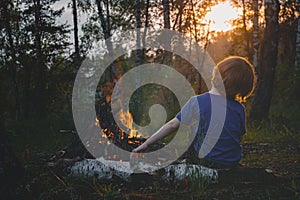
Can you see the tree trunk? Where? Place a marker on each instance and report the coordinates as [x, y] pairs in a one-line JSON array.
[[166, 11], [39, 93], [105, 25], [255, 34], [297, 59], [138, 32], [179, 16], [166, 14], [14, 64], [76, 39], [175, 172], [245, 30], [178, 172], [267, 63], [14, 81], [182, 5], [138, 59], [27, 101], [194, 22], [145, 30]]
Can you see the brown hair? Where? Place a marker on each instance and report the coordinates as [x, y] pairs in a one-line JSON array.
[[238, 78]]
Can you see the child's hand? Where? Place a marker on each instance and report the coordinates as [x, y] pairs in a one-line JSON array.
[[141, 148], [135, 156]]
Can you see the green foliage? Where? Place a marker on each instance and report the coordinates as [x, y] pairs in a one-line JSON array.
[[294, 186], [149, 95], [270, 131], [35, 45], [39, 136], [285, 107], [105, 191], [198, 185]]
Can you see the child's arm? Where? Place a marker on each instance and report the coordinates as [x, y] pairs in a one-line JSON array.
[[165, 130]]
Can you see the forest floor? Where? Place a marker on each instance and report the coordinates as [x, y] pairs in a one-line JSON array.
[[275, 166], [280, 160]]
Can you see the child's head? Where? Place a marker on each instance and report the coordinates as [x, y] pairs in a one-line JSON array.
[[238, 77]]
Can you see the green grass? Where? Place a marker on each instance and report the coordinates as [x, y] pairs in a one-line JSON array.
[[38, 137], [35, 139], [270, 132]]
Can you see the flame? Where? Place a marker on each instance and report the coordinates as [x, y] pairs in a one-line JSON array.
[[102, 133], [127, 120], [87, 143], [131, 142], [116, 135], [97, 122], [241, 99]]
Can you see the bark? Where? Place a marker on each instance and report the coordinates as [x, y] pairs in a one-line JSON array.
[[194, 22], [145, 29], [108, 17], [105, 25], [27, 101], [245, 30], [180, 16], [14, 65], [76, 38], [267, 63], [297, 59], [138, 59], [39, 75], [166, 8], [14, 79], [138, 32], [166, 12], [176, 172], [255, 34], [180, 172]]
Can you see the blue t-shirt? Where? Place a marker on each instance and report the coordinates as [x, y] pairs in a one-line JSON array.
[[228, 114]]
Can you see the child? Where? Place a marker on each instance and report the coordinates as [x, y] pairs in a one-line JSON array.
[[239, 80]]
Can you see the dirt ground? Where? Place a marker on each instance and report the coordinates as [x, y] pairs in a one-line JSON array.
[[273, 173], [267, 171]]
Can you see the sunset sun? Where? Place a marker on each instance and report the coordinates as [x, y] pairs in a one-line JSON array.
[[221, 15]]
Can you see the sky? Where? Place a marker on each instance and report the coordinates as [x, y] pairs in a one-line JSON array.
[[219, 16], [67, 16]]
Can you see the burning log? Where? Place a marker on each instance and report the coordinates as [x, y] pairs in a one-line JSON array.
[[126, 139]]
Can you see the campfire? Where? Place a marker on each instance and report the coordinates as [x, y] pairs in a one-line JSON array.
[[126, 137]]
